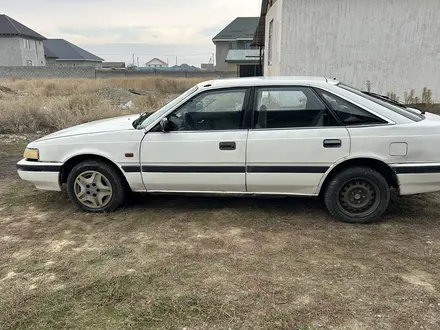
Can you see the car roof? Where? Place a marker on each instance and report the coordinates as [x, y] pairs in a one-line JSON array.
[[264, 81]]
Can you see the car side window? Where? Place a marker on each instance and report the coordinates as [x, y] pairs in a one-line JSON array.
[[290, 107], [348, 113], [211, 111]]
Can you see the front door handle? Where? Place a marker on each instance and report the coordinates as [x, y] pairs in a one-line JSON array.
[[227, 146], [332, 143]]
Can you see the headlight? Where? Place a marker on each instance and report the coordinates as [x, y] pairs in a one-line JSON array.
[[31, 154]]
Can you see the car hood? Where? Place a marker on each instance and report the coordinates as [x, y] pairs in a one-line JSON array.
[[100, 126]]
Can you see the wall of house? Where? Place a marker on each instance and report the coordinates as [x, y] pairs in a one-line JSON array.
[[34, 53], [275, 14], [10, 54], [54, 62], [393, 44], [221, 52]]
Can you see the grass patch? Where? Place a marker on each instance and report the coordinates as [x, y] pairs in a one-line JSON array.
[[47, 105], [168, 262]]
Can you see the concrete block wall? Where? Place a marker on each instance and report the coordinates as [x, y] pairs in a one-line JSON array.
[[91, 73], [46, 72]]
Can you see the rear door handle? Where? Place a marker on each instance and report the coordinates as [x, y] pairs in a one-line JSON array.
[[332, 143], [227, 146]]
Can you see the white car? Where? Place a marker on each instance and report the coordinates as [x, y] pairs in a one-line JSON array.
[[293, 136]]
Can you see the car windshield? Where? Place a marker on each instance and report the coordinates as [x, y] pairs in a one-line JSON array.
[[151, 118], [407, 113]]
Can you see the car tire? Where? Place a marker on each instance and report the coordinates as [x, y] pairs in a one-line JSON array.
[[96, 187], [357, 195]]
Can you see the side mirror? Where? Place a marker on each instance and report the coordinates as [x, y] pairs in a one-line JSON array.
[[164, 125]]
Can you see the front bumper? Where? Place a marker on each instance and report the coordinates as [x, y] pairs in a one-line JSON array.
[[45, 176]]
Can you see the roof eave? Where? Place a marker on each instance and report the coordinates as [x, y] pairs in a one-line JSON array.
[[22, 36], [260, 33], [77, 59]]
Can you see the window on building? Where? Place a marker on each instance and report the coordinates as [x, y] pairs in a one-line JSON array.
[[270, 46], [291, 107], [27, 43], [29, 63], [349, 113], [211, 111]]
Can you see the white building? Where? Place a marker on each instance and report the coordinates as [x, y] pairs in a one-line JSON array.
[[395, 45], [156, 63]]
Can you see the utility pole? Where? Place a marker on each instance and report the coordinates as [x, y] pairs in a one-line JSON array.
[[133, 60], [138, 61], [176, 60]]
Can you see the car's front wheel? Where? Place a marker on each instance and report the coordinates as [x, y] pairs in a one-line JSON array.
[[357, 195], [96, 186]]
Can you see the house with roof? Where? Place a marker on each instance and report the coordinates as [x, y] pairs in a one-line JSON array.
[[234, 49], [156, 63], [60, 52], [19, 45], [384, 46]]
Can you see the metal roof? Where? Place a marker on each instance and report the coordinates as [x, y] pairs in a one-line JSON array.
[[241, 28], [65, 51], [243, 55], [11, 27]]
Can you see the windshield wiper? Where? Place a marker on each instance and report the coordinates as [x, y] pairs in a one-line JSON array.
[[141, 118], [386, 99]]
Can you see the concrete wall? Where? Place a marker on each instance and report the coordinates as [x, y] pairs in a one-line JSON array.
[[276, 15], [10, 54], [395, 44], [14, 53], [46, 72], [221, 52], [171, 74], [54, 62], [34, 53], [91, 72]]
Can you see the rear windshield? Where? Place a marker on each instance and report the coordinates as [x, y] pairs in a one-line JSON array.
[[401, 111]]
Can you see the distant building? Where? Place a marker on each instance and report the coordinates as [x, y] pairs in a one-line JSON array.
[[60, 52], [234, 50], [207, 66], [19, 45], [113, 65], [156, 63]]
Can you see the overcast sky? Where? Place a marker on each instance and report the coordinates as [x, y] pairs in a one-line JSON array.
[[116, 29]]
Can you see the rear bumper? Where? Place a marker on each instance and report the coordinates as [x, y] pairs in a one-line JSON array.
[[418, 178], [44, 176]]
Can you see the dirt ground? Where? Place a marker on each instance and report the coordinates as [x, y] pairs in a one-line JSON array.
[[212, 263]]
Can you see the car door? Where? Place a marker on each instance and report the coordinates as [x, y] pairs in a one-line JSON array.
[[294, 140], [204, 149]]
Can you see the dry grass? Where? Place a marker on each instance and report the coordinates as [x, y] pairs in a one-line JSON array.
[[204, 263], [51, 104]]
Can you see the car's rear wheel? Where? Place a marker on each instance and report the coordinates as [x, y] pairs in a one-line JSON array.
[[357, 195], [96, 186]]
